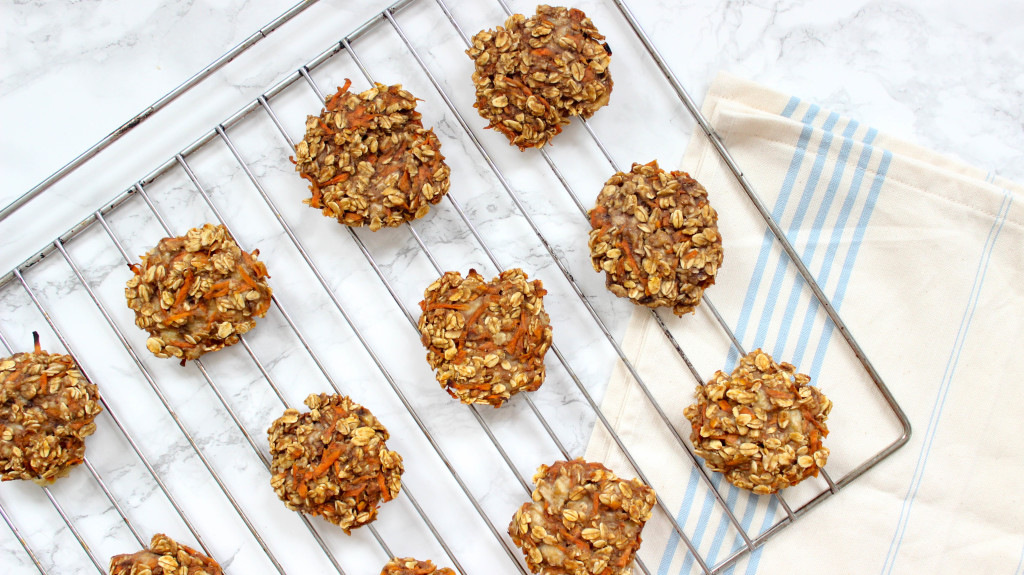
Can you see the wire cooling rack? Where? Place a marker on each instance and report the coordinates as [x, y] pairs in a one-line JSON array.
[[182, 450]]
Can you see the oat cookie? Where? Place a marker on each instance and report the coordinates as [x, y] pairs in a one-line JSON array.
[[47, 408], [486, 340], [333, 461], [164, 557], [583, 520], [197, 293], [761, 426], [370, 161], [535, 73], [410, 566], [656, 238]]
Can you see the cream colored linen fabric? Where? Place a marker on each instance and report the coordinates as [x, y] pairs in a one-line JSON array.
[[924, 258]]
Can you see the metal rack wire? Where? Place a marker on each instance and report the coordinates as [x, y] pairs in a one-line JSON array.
[[318, 535]]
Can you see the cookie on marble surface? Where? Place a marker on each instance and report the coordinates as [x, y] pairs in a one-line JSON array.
[[197, 293], [533, 74], [332, 461], [655, 235], [164, 557], [410, 566], [47, 408], [583, 520], [486, 340], [762, 425], [369, 160]]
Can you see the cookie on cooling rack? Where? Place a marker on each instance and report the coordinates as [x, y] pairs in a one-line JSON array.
[[535, 73], [486, 341], [47, 408], [410, 566], [369, 160], [164, 557], [656, 238], [197, 293], [761, 426], [582, 520], [332, 461]]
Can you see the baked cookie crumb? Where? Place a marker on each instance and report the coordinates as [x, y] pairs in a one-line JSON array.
[[582, 520], [47, 408], [655, 235], [164, 557], [332, 461], [197, 293], [533, 74], [410, 566], [762, 425], [486, 340], [369, 160]]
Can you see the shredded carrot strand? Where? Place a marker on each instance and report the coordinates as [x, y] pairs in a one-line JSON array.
[[625, 557], [330, 457], [315, 187], [333, 100], [183, 290], [629, 255], [175, 317], [354, 492], [338, 179], [326, 127], [246, 277], [262, 309], [456, 306], [520, 331]]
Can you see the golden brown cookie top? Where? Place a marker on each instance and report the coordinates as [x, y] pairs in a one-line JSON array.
[[567, 59], [164, 557], [762, 425], [655, 235], [197, 293], [369, 160], [486, 340], [410, 566], [583, 520], [47, 408], [534, 73], [333, 461]]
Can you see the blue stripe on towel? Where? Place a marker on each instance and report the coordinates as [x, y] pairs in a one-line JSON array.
[[769, 518], [947, 382], [673, 538], [754, 285], [805, 135], [789, 182], [851, 257], [789, 316], [782, 264], [833, 244], [844, 277], [780, 205]]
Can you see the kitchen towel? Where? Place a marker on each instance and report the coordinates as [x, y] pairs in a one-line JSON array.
[[924, 259]]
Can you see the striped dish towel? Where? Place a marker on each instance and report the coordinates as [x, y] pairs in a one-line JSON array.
[[924, 259]]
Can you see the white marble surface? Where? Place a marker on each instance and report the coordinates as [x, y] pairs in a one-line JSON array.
[[943, 74]]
